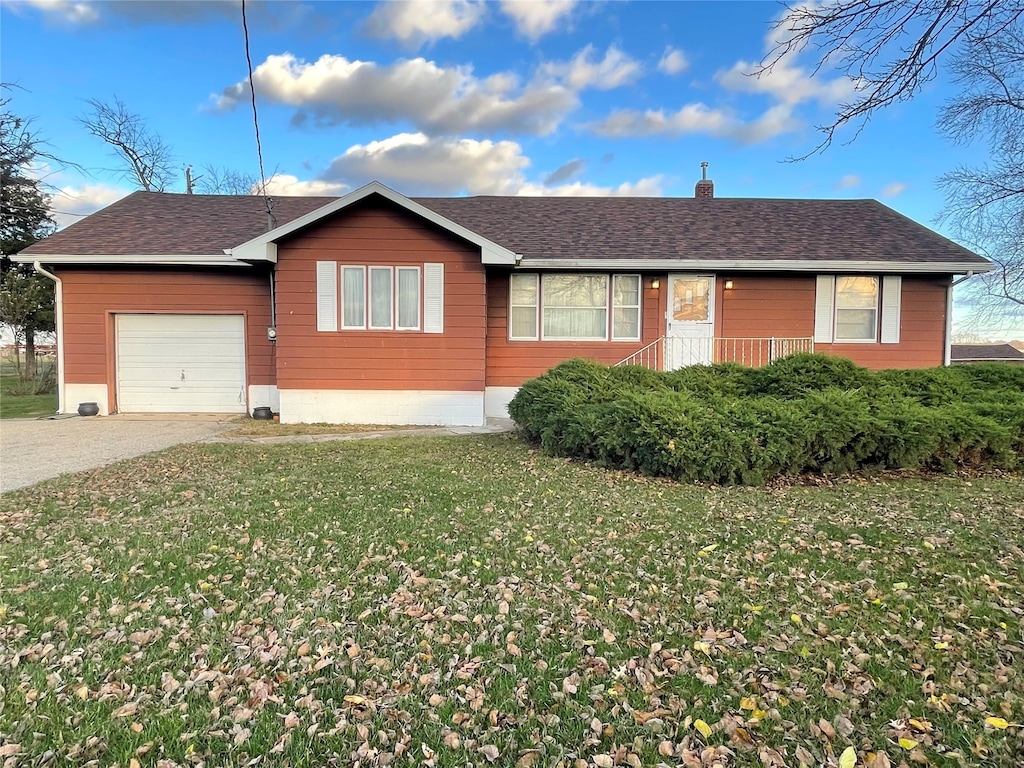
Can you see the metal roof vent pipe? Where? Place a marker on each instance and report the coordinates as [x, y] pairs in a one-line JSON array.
[[705, 187]]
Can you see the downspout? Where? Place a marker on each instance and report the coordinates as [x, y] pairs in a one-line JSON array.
[[58, 324], [949, 314], [273, 299]]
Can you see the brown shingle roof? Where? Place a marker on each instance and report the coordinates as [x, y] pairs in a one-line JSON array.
[[545, 227], [984, 352], [158, 223], [689, 228]]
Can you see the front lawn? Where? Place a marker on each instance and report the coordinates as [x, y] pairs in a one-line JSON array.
[[456, 601], [17, 406]]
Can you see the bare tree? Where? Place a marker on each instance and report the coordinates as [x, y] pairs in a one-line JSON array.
[[226, 181], [985, 204], [145, 158], [890, 47]]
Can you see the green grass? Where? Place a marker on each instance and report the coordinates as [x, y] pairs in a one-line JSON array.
[[460, 599], [14, 406]]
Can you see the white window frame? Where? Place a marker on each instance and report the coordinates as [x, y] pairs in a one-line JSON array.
[[837, 309], [369, 298], [607, 307], [610, 307], [396, 298], [535, 306], [614, 306], [366, 308]]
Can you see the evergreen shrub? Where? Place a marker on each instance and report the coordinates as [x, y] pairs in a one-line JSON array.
[[803, 414]]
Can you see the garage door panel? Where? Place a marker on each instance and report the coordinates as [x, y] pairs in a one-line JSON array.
[[181, 363]]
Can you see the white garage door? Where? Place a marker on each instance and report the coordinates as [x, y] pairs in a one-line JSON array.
[[181, 364]]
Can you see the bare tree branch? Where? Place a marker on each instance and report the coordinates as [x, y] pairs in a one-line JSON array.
[[985, 204], [146, 159], [891, 48], [226, 181]]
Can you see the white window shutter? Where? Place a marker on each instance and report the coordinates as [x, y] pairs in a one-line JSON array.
[[892, 288], [824, 309], [326, 296], [433, 298]]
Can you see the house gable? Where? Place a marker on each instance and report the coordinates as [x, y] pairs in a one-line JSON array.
[[264, 247], [363, 358]]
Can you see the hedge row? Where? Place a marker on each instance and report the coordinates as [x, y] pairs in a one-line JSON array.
[[806, 413]]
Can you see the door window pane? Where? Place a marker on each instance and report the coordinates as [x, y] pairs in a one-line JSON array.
[[691, 299]]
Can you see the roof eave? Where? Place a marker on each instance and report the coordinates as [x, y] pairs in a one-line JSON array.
[[762, 265], [264, 247], [146, 259]]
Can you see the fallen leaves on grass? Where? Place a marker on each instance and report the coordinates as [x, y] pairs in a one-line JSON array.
[[469, 601]]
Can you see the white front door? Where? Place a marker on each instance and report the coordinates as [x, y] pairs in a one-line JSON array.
[[691, 320], [181, 363]]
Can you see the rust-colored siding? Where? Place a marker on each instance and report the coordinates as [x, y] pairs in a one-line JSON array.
[[379, 233], [783, 305], [92, 296], [510, 363]]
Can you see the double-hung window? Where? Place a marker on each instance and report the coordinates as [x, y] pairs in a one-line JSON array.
[[353, 297], [852, 309], [380, 298], [407, 302], [856, 308], [574, 307]]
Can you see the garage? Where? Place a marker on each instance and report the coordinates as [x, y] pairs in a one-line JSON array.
[[170, 363]]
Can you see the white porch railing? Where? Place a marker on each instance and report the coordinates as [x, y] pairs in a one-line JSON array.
[[669, 352]]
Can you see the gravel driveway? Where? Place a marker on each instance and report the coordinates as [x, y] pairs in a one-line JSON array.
[[32, 450]]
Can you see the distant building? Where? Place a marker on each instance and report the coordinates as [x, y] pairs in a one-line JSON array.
[[960, 354]]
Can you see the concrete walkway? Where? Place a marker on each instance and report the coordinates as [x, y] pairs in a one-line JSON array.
[[33, 450]]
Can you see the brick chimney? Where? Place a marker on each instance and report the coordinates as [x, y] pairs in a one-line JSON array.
[[705, 187]]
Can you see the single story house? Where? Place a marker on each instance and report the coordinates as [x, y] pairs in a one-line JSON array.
[[961, 354], [379, 308]]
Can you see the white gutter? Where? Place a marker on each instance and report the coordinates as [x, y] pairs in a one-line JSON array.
[[58, 325], [949, 314], [149, 260], [757, 265]]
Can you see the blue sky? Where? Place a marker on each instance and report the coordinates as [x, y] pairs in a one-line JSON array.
[[463, 97]]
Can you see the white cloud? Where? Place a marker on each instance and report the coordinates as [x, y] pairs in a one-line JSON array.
[[535, 18], [848, 181], [415, 164], [693, 118], [137, 12], [417, 21], [696, 119], [583, 71], [284, 184], [565, 172], [786, 81], [69, 11], [894, 189], [73, 203], [334, 90], [673, 61], [646, 187], [787, 85]]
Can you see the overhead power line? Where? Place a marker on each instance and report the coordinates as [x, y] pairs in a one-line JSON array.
[[256, 121]]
